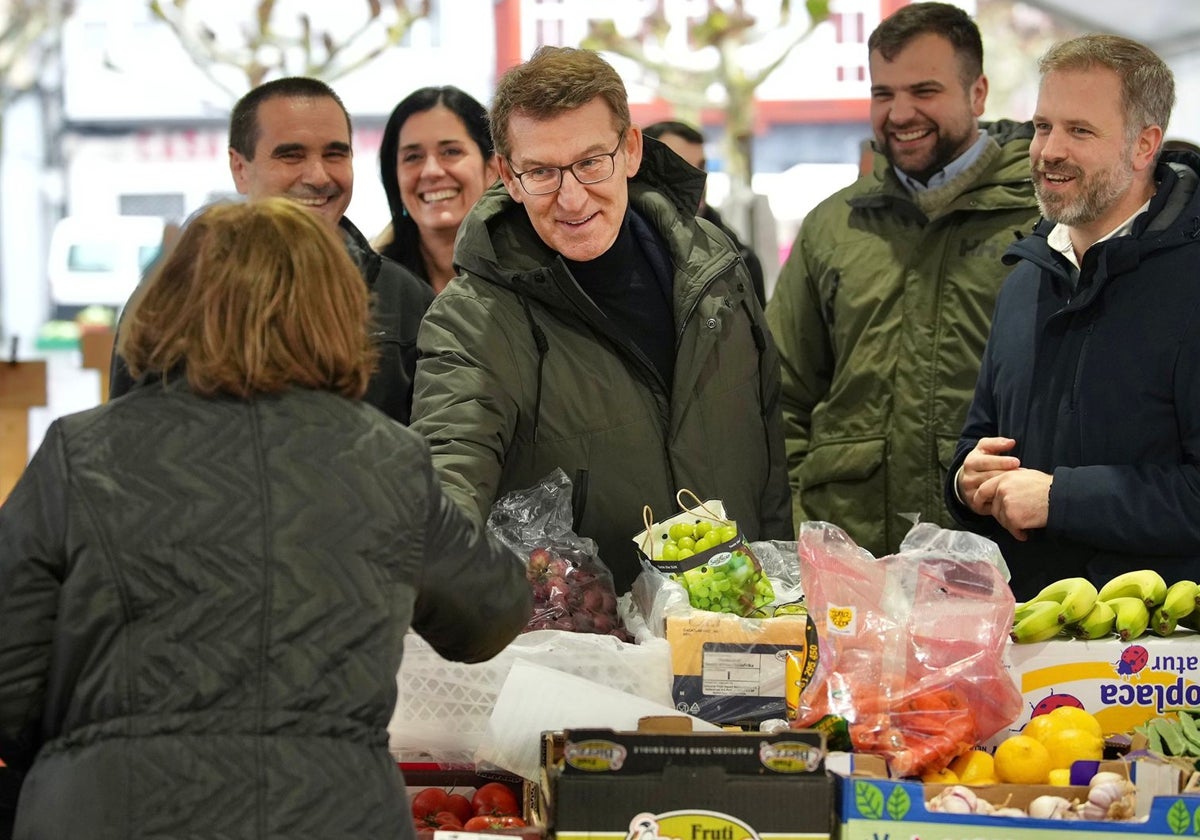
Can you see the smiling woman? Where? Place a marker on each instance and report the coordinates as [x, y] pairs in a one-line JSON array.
[[435, 161]]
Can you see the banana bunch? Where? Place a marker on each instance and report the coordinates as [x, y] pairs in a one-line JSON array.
[[1128, 606]]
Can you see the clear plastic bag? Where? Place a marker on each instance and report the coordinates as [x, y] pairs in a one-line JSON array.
[[572, 588], [911, 645]]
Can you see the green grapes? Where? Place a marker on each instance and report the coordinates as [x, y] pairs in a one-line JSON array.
[[731, 582]]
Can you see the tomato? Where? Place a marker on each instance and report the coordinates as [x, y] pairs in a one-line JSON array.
[[495, 799], [460, 806], [487, 822], [428, 802], [447, 819]]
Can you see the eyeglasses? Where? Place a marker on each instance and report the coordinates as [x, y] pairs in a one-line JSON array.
[[543, 180]]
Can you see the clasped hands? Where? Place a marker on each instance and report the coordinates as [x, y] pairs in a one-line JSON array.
[[992, 483]]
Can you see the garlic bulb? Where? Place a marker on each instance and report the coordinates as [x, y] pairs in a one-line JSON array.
[[956, 799], [1009, 811], [1105, 776], [1048, 807], [1110, 800]]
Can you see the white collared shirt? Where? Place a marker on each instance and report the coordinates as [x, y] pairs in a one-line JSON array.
[[1060, 237]]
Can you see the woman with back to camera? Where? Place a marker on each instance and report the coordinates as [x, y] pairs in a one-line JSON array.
[[435, 161], [205, 584]]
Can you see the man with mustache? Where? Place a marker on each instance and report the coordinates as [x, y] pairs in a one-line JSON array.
[[1081, 449], [881, 311], [291, 138]]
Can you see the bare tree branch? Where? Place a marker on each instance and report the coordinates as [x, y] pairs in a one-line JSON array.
[[726, 29], [264, 50]]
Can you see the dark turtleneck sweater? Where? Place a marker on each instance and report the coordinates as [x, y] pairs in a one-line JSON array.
[[631, 283]]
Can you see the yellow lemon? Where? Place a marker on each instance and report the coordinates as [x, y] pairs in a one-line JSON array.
[[1071, 717], [940, 777], [974, 767], [1021, 760], [1059, 777], [1070, 745], [1039, 727]]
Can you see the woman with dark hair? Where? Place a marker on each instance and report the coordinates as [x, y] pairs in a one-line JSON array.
[[435, 161], [205, 584]]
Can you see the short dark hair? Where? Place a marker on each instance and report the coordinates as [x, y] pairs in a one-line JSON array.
[[944, 19], [243, 121], [474, 118], [680, 129]]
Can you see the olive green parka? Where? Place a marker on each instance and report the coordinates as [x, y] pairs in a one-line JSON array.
[[520, 373], [881, 313]]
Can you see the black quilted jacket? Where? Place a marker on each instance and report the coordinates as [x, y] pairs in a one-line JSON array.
[[202, 607]]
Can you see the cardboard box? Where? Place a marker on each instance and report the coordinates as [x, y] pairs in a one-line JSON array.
[[654, 785], [732, 670], [1122, 683], [873, 807]]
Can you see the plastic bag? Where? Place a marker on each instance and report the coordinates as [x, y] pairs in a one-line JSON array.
[[572, 588], [705, 552], [911, 645]]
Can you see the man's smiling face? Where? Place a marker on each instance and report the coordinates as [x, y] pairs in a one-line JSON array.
[[302, 153], [579, 221], [922, 115]]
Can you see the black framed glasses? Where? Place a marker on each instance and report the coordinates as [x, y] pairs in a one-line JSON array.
[[543, 180]]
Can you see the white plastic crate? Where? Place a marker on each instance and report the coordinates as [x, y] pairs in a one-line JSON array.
[[443, 707]]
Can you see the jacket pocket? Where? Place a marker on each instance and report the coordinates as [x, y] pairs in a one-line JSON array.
[[844, 483]]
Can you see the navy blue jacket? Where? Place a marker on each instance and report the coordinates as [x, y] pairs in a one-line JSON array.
[[1100, 386]]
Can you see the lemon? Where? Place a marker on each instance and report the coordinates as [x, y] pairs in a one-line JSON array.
[[1067, 746], [1059, 777], [940, 777], [1022, 760], [1071, 717], [1039, 727], [974, 767]]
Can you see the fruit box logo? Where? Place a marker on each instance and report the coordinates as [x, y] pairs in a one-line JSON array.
[[1155, 680], [688, 825]]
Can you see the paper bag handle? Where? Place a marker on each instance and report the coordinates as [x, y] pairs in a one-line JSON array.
[[679, 499]]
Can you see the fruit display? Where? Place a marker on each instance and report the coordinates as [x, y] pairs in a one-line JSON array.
[[1110, 796], [1126, 607], [492, 807], [1042, 753]]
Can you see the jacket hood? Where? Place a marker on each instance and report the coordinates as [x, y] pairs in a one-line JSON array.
[[1172, 219], [525, 261]]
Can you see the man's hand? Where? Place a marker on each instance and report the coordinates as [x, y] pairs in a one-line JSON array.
[[986, 461], [1018, 499]]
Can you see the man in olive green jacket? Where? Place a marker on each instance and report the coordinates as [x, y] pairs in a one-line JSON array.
[[597, 326], [883, 307]]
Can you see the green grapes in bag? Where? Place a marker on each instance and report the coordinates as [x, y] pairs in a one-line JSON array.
[[704, 551]]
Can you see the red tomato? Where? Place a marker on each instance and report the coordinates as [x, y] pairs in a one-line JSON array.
[[428, 802], [447, 819], [460, 806], [495, 799], [487, 822]]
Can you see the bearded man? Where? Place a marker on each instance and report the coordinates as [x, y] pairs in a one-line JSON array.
[[1081, 450], [882, 309]]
